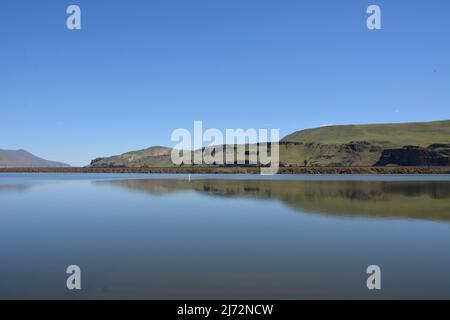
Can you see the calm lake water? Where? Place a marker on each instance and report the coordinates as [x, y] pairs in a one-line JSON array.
[[224, 236]]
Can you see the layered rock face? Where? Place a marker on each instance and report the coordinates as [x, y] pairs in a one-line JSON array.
[[433, 155]]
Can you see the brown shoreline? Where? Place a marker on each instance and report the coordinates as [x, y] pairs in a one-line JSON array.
[[241, 170]]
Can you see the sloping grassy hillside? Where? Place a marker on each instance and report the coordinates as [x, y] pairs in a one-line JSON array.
[[349, 145], [388, 135], [316, 154]]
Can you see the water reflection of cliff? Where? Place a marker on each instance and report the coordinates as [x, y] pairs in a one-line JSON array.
[[428, 200]]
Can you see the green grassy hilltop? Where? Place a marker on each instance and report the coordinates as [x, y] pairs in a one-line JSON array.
[[388, 135]]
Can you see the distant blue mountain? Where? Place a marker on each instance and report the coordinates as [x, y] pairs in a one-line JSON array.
[[23, 159]]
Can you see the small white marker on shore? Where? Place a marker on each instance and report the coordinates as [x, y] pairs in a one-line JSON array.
[[189, 177]]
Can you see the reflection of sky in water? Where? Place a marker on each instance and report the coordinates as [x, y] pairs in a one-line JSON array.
[[222, 239]]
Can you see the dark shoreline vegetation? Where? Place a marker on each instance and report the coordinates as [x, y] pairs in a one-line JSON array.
[[237, 170]]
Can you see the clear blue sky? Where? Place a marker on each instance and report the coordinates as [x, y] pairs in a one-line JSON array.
[[140, 69]]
